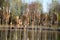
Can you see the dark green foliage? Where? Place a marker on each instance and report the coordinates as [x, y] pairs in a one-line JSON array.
[[1, 3]]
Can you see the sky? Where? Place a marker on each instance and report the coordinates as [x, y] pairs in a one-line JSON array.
[[44, 3]]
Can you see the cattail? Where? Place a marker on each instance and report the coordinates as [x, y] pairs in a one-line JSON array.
[[20, 22]]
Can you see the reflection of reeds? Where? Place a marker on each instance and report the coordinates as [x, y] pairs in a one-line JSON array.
[[32, 30], [30, 34], [25, 34]]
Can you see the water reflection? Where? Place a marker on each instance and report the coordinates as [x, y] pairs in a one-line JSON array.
[[29, 34]]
